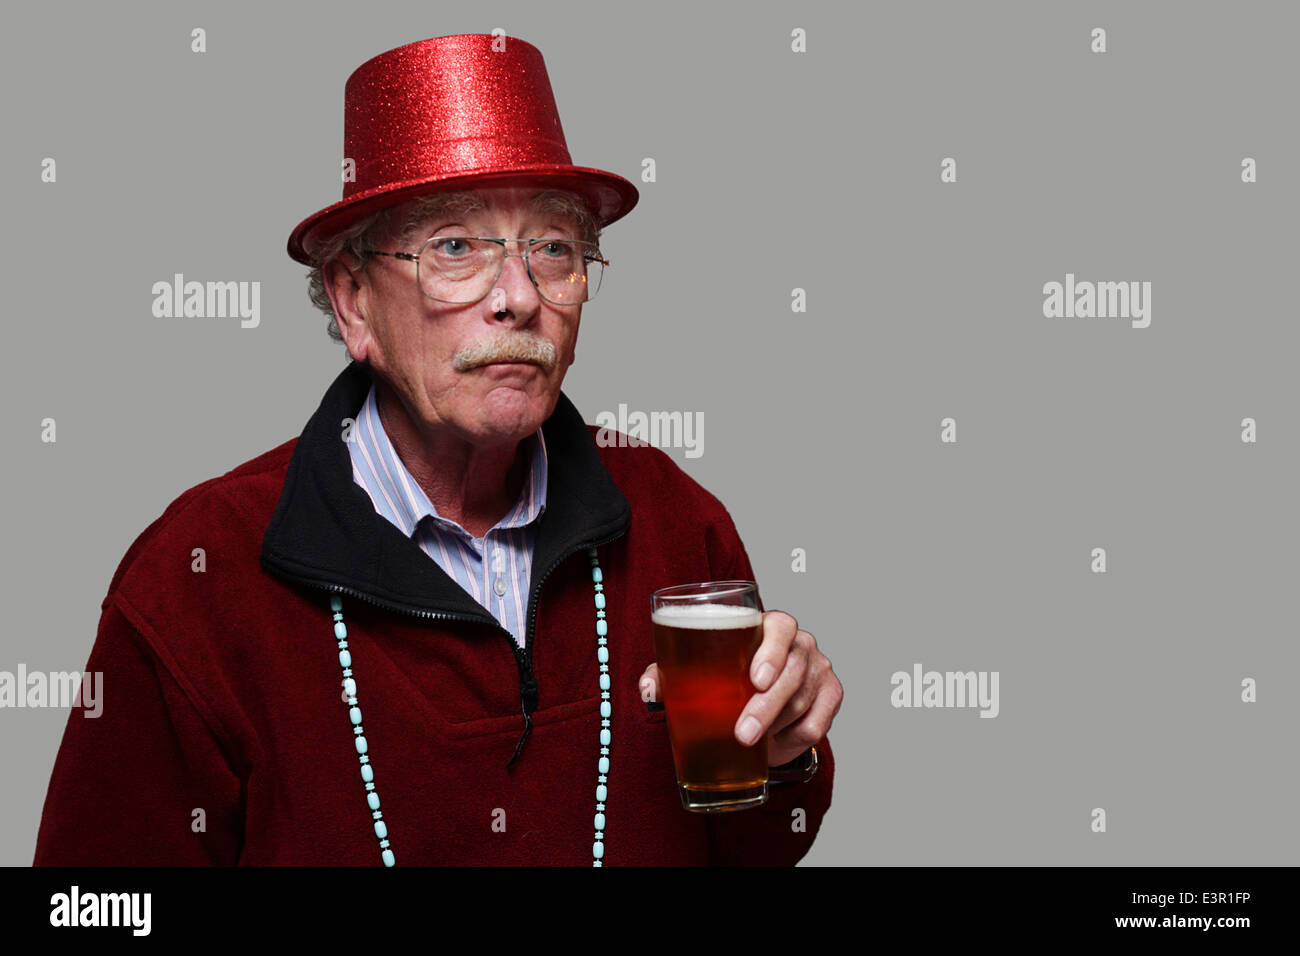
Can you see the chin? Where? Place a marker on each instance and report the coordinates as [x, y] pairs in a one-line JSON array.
[[512, 418]]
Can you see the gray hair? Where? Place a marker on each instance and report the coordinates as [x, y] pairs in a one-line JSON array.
[[398, 224]]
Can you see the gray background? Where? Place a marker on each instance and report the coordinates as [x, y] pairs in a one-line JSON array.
[[775, 170]]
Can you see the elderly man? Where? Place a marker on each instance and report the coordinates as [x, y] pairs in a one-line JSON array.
[[420, 632]]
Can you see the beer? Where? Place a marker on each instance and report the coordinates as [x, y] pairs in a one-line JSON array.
[[704, 652]]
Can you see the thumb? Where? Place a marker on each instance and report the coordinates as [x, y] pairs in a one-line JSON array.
[[648, 685]]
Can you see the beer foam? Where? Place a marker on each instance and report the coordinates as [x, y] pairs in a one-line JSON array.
[[706, 616]]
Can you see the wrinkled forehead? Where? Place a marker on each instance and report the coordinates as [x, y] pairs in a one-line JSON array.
[[549, 206]]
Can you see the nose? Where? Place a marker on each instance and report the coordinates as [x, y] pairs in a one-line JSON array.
[[514, 293]]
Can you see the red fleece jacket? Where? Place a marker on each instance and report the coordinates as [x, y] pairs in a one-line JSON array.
[[224, 738]]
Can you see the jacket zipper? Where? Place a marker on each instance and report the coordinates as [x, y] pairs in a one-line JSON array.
[[528, 682], [528, 686]]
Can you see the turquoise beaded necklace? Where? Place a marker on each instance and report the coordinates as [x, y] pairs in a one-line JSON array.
[[368, 772]]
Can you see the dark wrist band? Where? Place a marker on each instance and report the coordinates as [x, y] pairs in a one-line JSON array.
[[799, 770]]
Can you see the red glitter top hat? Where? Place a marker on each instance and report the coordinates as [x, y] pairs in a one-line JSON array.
[[454, 112]]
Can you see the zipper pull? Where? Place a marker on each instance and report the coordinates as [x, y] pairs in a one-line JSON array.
[[528, 696]]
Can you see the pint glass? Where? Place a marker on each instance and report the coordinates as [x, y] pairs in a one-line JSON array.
[[705, 639]]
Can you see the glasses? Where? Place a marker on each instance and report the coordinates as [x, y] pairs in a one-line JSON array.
[[463, 269]]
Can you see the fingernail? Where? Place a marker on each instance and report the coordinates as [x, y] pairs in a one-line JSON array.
[[647, 690], [749, 730], [765, 672]]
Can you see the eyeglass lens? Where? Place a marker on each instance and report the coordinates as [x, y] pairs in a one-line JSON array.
[[462, 269]]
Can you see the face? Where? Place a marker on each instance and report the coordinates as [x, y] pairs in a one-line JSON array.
[[429, 353]]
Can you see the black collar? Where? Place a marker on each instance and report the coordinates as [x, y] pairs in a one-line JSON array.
[[326, 533]]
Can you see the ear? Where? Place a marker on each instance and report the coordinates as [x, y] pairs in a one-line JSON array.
[[348, 287]]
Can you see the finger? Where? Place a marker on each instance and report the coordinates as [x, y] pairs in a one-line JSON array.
[[798, 705], [811, 727], [779, 632], [762, 709], [648, 685]]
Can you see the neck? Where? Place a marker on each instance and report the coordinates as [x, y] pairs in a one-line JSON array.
[[475, 486]]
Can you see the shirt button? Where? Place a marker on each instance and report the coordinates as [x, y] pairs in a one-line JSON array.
[[499, 586]]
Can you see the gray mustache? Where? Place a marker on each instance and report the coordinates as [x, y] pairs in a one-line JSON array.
[[515, 347]]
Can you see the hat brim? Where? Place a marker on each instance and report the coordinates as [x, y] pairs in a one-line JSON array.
[[611, 197]]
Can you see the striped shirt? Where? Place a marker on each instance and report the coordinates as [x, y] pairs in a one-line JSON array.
[[495, 569]]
